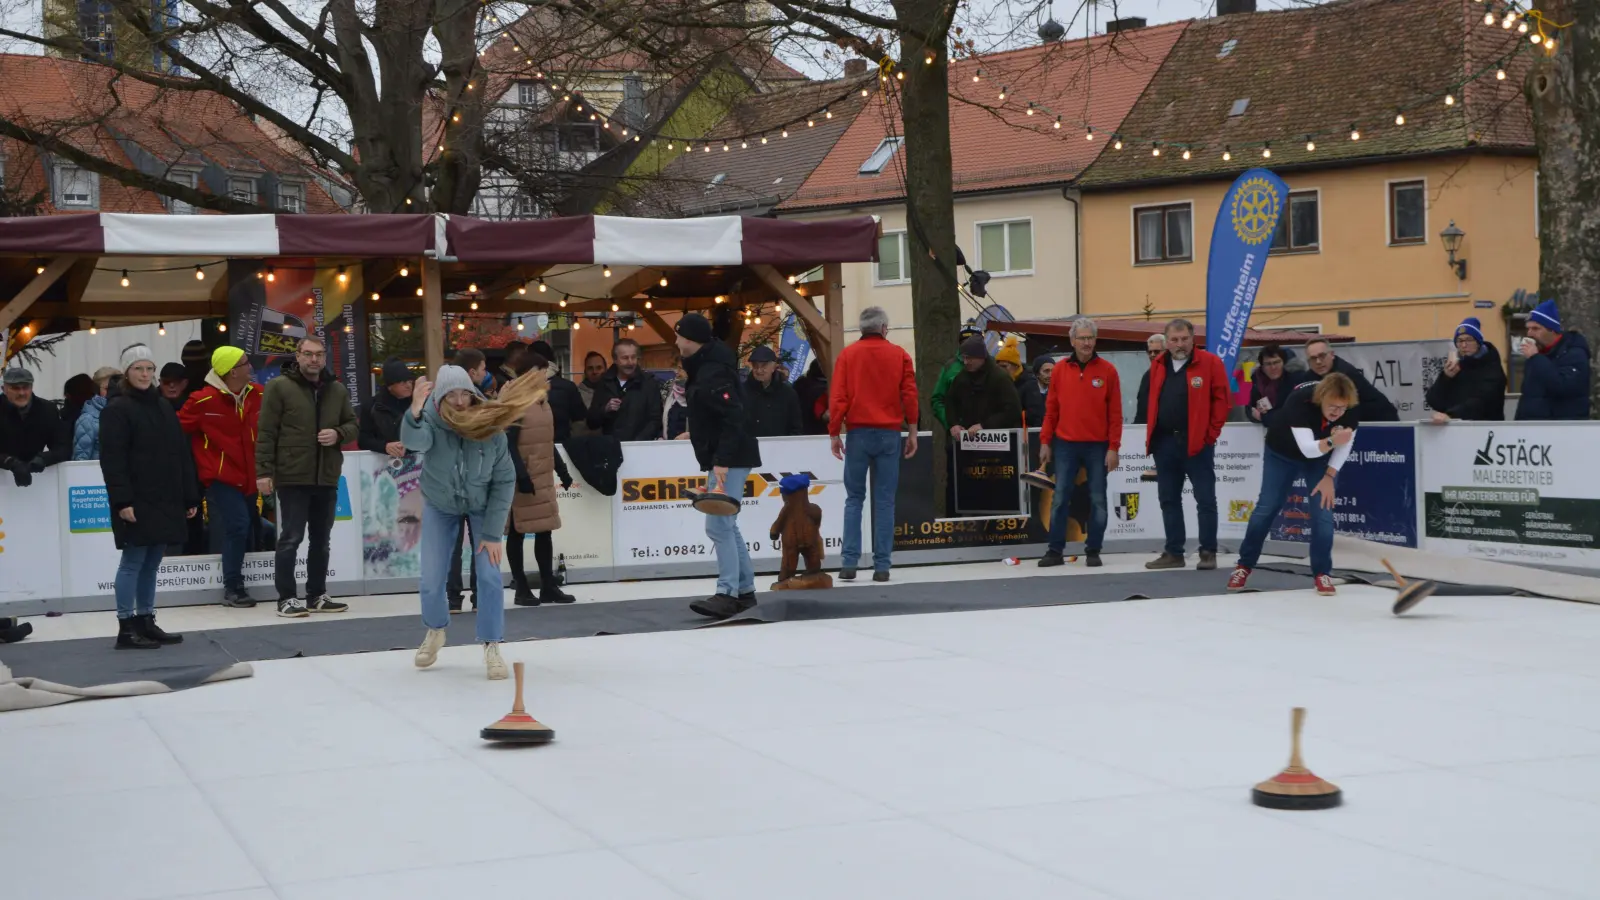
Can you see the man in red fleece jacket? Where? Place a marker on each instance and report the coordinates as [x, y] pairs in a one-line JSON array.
[[1189, 400], [1082, 429], [874, 394]]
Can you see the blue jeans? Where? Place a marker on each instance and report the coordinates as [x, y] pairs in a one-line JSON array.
[[1278, 474], [876, 450], [735, 575], [1173, 464], [1069, 456], [230, 512], [441, 537], [136, 580]]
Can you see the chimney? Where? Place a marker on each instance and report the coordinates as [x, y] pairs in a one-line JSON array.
[[1130, 23], [854, 68], [1229, 7]]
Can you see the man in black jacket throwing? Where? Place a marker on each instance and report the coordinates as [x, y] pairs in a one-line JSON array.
[[627, 400], [726, 451]]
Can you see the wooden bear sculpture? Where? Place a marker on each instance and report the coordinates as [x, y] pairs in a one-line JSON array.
[[799, 525]]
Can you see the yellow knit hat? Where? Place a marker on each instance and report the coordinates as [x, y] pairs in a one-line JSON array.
[[224, 359], [1009, 353]]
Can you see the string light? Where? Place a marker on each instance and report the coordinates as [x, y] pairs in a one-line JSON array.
[[1311, 146], [461, 326], [473, 306], [576, 325], [663, 281], [223, 327], [719, 298], [1088, 134], [92, 329], [1057, 125], [615, 308], [1535, 39], [647, 305], [404, 271], [542, 286], [1355, 133], [605, 271], [344, 277], [28, 329], [563, 301], [519, 324], [271, 275], [1400, 118], [124, 277], [1501, 74], [199, 274], [161, 328], [375, 297], [38, 269], [1227, 154], [1185, 154], [1522, 27], [405, 326], [1155, 149], [419, 292], [1449, 99], [472, 287], [1117, 144], [1266, 152], [522, 289], [1003, 91]]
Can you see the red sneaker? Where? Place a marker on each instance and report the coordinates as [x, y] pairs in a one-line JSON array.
[[1236, 581], [1324, 585]]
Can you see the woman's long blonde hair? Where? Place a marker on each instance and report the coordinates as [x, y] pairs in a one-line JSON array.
[[481, 421]]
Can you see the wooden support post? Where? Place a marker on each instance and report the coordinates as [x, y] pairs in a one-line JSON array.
[[652, 317], [833, 310], [34, 289], [817, 328], [432, 316]]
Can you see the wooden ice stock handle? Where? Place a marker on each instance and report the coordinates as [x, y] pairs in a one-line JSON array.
[[1397, 577], [1299, 721], [516, 708]]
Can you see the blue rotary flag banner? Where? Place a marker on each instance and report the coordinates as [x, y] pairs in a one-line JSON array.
[[1239, 244], [794, 349]]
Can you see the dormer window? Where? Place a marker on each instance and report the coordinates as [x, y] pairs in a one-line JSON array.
[[881, 156]]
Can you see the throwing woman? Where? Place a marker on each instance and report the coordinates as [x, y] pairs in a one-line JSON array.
[[1310, 437]]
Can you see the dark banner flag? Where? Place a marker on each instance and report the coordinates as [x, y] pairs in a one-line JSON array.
[[270, 308], [1240, 240]]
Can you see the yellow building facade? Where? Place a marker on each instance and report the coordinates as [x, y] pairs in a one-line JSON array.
[[1363, 255]]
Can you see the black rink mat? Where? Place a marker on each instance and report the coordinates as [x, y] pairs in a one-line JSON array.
[[92, 661]]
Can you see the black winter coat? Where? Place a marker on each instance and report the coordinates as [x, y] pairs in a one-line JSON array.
[[1375, 404], [717, 426], [1275, 391], [1477, 393], [566, 405], [772, 410], [986, 398], [380, 422], [38, 432], [639, 417], [147, 464], [1032, 398]]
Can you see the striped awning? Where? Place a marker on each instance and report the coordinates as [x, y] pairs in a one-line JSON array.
[[613, 240]]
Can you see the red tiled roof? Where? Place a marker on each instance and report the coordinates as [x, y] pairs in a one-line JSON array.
[[995, 144], [754, 179], [1318, 71], [94, 109]]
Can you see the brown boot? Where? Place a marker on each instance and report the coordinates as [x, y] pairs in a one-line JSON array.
[[1165, 561], [1208, 560]]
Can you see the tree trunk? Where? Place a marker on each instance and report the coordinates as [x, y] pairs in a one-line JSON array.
[[930, 205], [1563, 91]]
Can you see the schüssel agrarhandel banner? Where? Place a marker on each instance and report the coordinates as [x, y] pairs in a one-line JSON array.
[[1510, 491]]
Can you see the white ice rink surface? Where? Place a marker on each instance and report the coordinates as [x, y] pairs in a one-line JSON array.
[[1099, 751]]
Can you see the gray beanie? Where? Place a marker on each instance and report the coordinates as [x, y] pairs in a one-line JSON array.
[[135, 353], [453, 378]]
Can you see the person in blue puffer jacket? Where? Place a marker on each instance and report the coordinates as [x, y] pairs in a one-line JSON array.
[[86, 431], [467, 473]]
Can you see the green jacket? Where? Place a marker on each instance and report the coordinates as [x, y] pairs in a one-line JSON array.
[[461, 476], [986, 398], [947, 375], [292, 412]]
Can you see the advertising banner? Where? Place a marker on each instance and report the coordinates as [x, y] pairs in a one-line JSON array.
[[30, 537], [1402, 370], [1376, 494], [88, 545], [270, 308], [917, 524], [1136, 504], [988, 474], [391, 515], [1511, 491], [654, 525], [1240, 239]]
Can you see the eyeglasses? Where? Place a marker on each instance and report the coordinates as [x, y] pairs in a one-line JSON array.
[[310, 355], [1319, 357]]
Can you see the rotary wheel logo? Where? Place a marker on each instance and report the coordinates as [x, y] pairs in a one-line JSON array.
[[1256, 206]]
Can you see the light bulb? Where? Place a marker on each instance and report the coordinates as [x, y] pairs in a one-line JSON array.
[[1400, 118], [605, 271], [38, 270], [419, 292], [199, 274], [522, 289], [901, 76], [92, 329], [28, 329], [1030, 109], [719, 298], [375, 297], [223, 326], [928, 60], [1449, 99], [647, 305], [811, 123], [576, 325], [1089, 135], [785, 132], [473, 306], [124, 277], [408, 201], [1536, 38], [827, 112], [405, 326], [1355, 133], [542, 286], [724, 146], [1003, 93], [1550, 45], [461, 326], [563, 303], [793, 279], [519, 324], [472, 287], [758, 320], [630, 326], [1311, 146], [1500, 75], [1117, 145], [1522, 27], [663, 281], [161, 328], [1057, 125], [1510, 17], [404, 271], [271, 275], [344, 277], [1185, 154], [669, 145], [747, 320], [1488, 18], [615, 308], [1226, 155], [763, 139], [1266, 152], [1155, 150]]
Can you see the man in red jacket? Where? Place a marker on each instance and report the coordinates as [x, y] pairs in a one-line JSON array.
[[221, 422], [874, 394], [1189, 400], [1082, 429]]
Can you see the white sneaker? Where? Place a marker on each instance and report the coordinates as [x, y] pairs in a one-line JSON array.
[[431, 645], [496, 665]]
